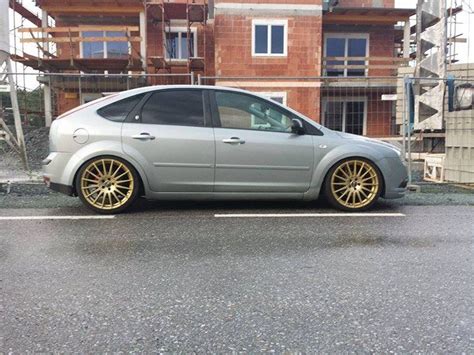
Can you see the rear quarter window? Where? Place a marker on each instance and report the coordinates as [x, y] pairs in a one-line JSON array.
[[119, 110]]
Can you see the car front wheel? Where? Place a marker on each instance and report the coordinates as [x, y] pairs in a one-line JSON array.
[[353, 184], [107, 184]]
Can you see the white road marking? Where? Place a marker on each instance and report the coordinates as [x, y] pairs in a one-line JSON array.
[[30, 218], [298, 215]]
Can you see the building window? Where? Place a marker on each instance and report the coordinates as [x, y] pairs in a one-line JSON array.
[[104, 49], [346, 115], [279, 97], [269, 37], [177, 43], [346, 45]]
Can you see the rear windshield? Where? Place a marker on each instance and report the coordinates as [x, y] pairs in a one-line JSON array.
[[119, 110]]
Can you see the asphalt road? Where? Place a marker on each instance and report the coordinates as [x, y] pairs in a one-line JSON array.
[[174, 277]]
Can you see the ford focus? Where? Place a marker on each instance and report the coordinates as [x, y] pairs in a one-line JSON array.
[[209, 142]]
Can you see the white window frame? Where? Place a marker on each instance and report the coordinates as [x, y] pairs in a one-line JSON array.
[[347, 36], [104, 44], [344, 110], [181, 30], [270, 94], [269, 23]]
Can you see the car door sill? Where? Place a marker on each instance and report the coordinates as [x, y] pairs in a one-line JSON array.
[[225, 196]]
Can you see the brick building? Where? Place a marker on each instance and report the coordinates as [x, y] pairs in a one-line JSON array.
[[331, 60]]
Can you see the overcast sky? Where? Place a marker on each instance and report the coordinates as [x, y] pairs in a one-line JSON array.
[[465, 21]]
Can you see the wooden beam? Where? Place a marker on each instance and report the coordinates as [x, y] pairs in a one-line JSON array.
[[393, 66], [23, 11], [103, 10], [375, 59], [80, 39], [80, 28], [332, 18]]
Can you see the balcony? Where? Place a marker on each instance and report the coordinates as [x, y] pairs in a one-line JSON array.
[[86, 48]]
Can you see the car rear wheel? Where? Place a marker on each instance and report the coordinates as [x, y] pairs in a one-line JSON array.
[[107, 184], [353, 185]]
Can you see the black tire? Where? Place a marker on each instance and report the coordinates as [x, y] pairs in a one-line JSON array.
[[336, 189], [106, 185]]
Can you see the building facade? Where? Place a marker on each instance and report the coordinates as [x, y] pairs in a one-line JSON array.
[[331, 60]]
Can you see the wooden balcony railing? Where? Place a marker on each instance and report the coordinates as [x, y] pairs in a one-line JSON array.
[[347, 65], [43, 37]]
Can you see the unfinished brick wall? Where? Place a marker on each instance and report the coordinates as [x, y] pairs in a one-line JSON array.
[[233, 53]]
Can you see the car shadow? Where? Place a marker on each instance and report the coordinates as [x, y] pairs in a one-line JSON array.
[[253, 206]]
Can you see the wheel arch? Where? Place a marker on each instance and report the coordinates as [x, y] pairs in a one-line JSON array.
[[376, 166], [337, 155], [142, 186]]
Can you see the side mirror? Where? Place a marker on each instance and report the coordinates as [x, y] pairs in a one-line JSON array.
[[297, 126]]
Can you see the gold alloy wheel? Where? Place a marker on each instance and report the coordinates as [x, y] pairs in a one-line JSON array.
[[107, 184], [355, 184]]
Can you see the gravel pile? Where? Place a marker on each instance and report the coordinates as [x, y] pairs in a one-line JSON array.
[[37, 147]]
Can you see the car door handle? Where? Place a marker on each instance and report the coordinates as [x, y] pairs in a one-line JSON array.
[[143, 136], [233, 140]]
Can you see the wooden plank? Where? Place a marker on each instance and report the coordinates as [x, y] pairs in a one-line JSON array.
[[394, 66], [104, 10], [375, 59], [80, 39], [360, 19], [23, 11], [80, 28]]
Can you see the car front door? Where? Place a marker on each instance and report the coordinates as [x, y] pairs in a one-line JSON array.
[[255, 148], [171, 135]]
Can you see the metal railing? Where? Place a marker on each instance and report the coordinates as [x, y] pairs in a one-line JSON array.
[[373, 106]]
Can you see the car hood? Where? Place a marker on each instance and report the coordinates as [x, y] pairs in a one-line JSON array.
[[366, 140]]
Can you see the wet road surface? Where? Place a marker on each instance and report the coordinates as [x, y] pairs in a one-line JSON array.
[[176, 277]]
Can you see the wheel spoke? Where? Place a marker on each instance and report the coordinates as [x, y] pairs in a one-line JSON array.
[[88, 171], [93, 192], [115, 196], [97, 169], [122, 187], [104, 195], [340, 189], [118, 177], [121, 193], [348, 197], [97, 197], [104, 167], [342, 170], [345, 192], [117, 170], [86, 179]]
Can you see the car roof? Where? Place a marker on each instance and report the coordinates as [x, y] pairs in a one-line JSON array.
[[162, 87]]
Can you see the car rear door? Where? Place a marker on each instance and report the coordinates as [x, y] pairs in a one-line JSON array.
[[171, 136], [255, 149]]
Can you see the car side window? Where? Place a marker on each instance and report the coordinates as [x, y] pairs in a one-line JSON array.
[[119, 110], [242, 111], [174, 107]]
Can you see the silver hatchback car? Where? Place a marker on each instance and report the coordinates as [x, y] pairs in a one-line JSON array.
[[209, 142]]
